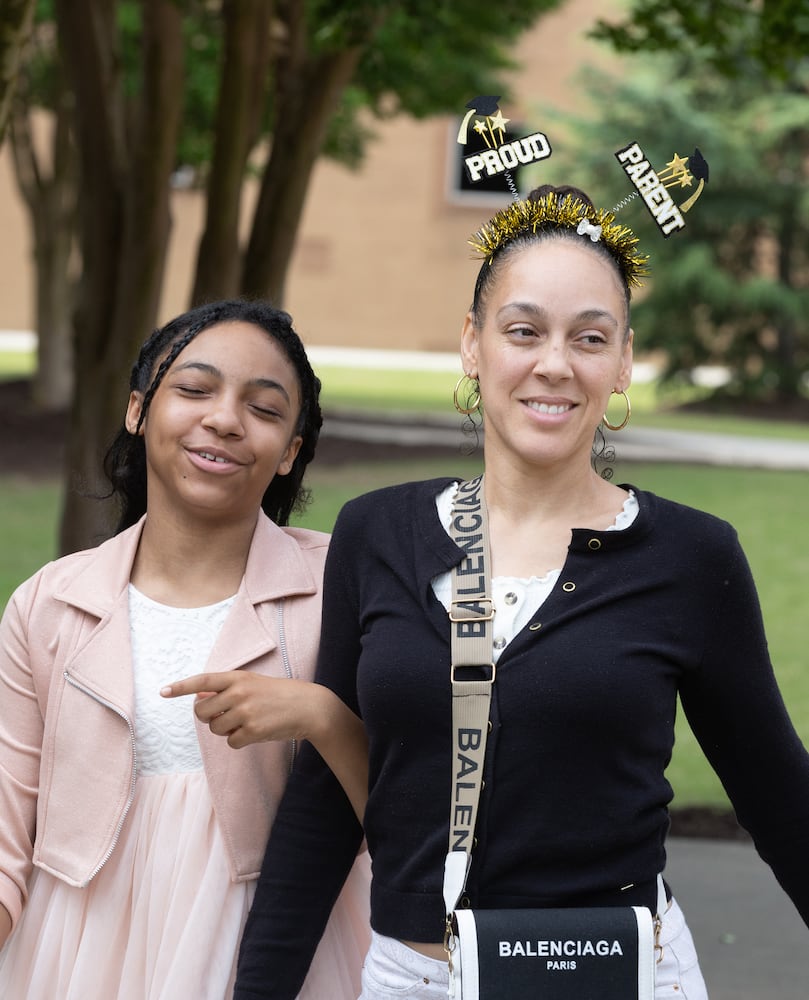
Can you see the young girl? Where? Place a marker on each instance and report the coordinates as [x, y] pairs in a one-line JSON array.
[[131, 834]]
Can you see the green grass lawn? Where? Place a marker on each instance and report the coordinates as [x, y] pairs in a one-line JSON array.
[[16, 364], [768, 508], [28, 517]]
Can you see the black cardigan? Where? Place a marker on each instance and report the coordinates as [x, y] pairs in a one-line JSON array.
[[575, 799]]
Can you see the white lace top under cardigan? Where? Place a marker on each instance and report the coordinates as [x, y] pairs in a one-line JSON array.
[[515, 599]]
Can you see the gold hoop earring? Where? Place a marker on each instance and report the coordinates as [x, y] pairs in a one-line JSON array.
[[472, 395], [625, 421]]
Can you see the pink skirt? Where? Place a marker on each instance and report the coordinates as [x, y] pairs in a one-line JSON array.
[[162, 920]]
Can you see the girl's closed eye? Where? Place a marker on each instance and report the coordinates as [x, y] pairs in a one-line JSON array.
[[264, 410], [188, 385]]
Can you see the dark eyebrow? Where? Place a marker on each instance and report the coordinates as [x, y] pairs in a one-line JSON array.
[[540, 313], [589, 315], [259, 383]]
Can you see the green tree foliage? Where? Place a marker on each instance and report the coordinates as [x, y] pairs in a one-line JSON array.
[[732, 288], [735, 37], [421, 59], [736, 282], [230, 87]]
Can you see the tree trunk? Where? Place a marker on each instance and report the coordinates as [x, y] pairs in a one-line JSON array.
[[52, 384], [241, 98], [124, 225], [147, 215], [16, 20], [50, 196], [88, 44], [308, 97]]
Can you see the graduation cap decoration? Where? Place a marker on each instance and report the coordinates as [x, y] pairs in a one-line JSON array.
[[497, 156], [653, 186]]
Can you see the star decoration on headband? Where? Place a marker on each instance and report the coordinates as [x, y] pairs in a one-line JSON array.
[[499, 123], [552, 213], [652, 186], [481, 127], [678, 167], [499, 156]]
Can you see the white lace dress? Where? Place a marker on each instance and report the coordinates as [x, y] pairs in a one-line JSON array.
[[162, 920]]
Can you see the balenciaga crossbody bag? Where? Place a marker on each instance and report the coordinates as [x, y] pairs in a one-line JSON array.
[[593, 953]]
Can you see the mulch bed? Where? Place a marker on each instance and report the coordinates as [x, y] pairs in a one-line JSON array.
[[32, 445]]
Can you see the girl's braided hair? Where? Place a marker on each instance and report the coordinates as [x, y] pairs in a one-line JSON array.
[[125, 461]]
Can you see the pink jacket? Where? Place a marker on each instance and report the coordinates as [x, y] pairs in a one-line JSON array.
[[67, 760]]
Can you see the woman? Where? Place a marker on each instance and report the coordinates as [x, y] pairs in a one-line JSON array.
[[610, 602], [132, 835]]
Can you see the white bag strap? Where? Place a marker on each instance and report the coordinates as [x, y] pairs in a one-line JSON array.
[[470, 615]]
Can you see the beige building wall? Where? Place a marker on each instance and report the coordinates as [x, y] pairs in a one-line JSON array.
[[381, 258]]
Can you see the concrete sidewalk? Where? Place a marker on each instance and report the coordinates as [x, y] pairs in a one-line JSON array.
[[646, 445], [631, 445], [751, 942]]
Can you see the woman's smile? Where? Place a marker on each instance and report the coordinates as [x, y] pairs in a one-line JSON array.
[[549, 409]]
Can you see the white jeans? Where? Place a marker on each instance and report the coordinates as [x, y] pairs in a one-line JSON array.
[[393, 970]]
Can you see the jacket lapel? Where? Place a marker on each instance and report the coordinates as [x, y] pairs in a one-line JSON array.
[[275, 570], [102, 660]]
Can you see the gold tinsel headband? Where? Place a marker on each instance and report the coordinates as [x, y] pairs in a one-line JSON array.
[[549, 214]]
